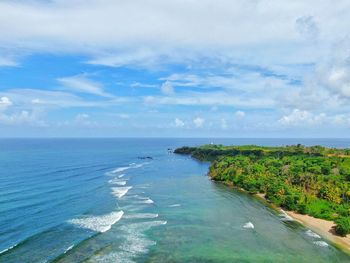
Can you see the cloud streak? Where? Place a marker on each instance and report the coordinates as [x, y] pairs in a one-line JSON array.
[[80, 83]]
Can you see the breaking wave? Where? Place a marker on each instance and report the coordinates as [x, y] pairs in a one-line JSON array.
[[98, 223], [312, 234], [120, 191], [248, 225], [321, 243]]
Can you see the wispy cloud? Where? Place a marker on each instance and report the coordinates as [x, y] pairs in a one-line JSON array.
[[98, 29], [82, 84]]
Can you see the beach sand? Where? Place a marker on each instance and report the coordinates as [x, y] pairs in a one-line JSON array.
[[322, 227]]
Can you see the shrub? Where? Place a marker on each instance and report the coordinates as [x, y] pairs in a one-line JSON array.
[[343, 226]]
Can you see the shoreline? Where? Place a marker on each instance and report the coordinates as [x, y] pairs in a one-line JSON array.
[[322, 227]]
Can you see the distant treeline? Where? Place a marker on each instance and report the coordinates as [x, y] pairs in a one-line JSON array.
[[310, 180]]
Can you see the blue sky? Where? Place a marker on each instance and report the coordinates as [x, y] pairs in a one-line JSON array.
[[252, 68]]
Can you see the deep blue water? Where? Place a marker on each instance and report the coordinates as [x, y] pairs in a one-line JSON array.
[[95, 200]]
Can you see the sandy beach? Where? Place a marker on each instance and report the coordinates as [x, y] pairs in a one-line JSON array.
[[322, 227]]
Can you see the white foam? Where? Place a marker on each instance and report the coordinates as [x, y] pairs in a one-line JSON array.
[[122, 183], [285, 216], [175, 205], [135, 243], [120, 257], [122, 175], [120, 191], [312, 234], [321, 243], [124, 168], [69, 248], [248, 225], [145, 200], [148, 201], [120, 169], [98, 223], [142, 216], [7, 249], [134, 165], [117, 181]]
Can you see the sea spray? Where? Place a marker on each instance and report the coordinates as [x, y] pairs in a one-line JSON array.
[[101, 223], [311, 234], [120, 191], [141, 216], [321, 243], [117, 181], [135, 242], [248, 225]]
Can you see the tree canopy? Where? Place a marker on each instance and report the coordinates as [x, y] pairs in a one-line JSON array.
[[310, 180]]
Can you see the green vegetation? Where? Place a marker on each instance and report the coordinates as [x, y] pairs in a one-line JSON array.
[[310, 180]]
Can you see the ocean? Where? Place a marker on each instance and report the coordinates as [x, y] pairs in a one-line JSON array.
[[105, 200]]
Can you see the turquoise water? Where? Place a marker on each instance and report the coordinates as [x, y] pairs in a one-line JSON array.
[[94, 200]]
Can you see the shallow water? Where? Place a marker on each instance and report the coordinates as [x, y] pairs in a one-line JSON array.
[[94, 200]]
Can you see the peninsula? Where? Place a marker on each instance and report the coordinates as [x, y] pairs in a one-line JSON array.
[[312, 183]]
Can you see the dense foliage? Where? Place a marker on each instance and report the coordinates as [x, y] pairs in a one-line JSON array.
[[310, 180]]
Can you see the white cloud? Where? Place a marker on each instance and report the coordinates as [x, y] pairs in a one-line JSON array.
[[212, 99], [84, 120], [240, 114], [22, 118], [224, 124], [142, 85], [7, 62], [184, 29], [198, 122], [338, 80], [167, 88], [302, 117], [5, 102], [179, 123], [50, 99], [82, 117], [82, 84], [307, 27], [124, 116]]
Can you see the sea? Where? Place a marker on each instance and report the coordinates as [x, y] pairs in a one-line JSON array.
[[133, 200]]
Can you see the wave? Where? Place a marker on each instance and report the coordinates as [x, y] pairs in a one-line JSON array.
[[285, 217], [148, 201], [124, 168], [120, 191], [312, 234], [7, 249], [248, 225], [174, 205], [120, 176], [98, 223], [69, 248], [142, 216], [117, 181], [321, 243], [120, 169], [120, 257], [145, 200], [136, 242]]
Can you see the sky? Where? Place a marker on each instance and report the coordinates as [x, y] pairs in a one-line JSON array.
[[159, 68]]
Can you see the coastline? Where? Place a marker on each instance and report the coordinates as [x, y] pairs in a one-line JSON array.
[[322, 227]]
